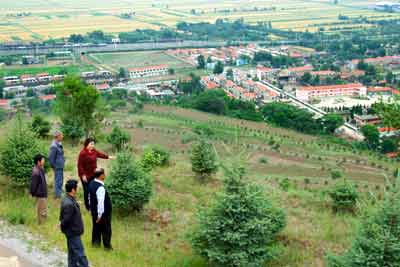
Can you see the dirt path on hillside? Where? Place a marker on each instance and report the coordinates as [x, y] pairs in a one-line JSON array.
[[15, 241]]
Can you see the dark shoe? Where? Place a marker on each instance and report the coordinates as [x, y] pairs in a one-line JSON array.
[[110, 248]]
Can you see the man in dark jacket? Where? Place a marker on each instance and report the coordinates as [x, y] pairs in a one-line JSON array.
[[101, 209], [57, 162], [71, 225], [39, 188]]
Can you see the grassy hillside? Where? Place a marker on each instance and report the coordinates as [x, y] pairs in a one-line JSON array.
[[156, 237]]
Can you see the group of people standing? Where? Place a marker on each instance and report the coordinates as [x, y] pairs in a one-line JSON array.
[[96, 198]]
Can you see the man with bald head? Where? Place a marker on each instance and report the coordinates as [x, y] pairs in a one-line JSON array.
[[57, 162]]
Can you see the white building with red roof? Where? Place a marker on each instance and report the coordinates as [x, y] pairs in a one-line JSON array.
[[148, 71], [306, 93]]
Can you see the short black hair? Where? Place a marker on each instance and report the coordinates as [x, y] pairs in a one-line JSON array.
[[88, 141], [70, 185], [98, 172], [38, 158]]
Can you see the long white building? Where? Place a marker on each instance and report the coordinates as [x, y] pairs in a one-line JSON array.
[[148, 71], [306, 93]]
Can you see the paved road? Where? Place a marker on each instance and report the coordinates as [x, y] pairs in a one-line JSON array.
[[6, 252]]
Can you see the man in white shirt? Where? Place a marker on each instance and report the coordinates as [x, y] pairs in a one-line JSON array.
[[101, 210]]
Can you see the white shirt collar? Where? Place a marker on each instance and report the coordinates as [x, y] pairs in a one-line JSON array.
[[99, 181]]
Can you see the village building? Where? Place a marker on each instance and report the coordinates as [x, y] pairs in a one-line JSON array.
[[149, 71], [362, 120], [307, 93]]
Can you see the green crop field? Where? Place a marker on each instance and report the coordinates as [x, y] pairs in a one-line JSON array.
[[52, 70], [142, 240], [139, 59], [44, 19]]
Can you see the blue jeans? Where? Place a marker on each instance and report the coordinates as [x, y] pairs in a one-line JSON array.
[[58, 182], [76, 252]]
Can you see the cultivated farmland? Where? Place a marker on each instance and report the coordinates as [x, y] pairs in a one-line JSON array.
[[157, 236], [38, 20]]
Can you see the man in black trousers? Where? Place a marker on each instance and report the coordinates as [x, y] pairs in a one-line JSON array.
[[71, 225], [101, 209]]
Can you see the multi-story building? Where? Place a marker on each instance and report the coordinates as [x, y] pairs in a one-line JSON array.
[[306, 93], [148, 71]]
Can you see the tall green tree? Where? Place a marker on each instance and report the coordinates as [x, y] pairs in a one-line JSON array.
[[79, 102], [2, 85], [219, 68], [240, 225], [389, 113], [331, 122], [203, 158], [130, 187], [18, 151], [201, 62], [40, 126], [371, 135], [377, 242]]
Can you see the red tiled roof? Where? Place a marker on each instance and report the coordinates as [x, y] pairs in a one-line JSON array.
[[386, 129], [250, 95], [47, 97], [157, 67], [376, 59], [103, 86], [26, 76], [43, 74], [3, 102], [300, 69], [395, 92], [380, 89], [263, 87], [323, 72], [229, 83], [329, 87], [264, 69], [391, 154], [211, 85]]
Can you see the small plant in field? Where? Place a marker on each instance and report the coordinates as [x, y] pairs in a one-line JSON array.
[[263, 160], [16, 216], [336, 174], [237, 230], [344, 196], [204, 130], [140, 124], [188, 137], [129, 186], [154, 156], [284, 184], [118, 138], [377, 241], [40, 126], [204, 159]]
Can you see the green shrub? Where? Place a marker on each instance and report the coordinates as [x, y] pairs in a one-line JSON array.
[[284, 184], [344, 196], [154, 156], [336, 174], [17, 154], [188, 137], [237, 230], [377, 242], [203, 158], [263, 160], [204, 130], [129, 186], [118, 138], [72, 129], [40, 126], [16, 216]]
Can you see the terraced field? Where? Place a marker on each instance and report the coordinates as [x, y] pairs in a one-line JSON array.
[[272, 155], [38, 20]]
